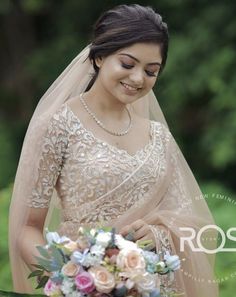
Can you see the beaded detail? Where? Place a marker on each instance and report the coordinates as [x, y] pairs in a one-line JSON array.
[[96, 181]]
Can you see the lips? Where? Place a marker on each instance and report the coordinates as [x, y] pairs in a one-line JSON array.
[[130, 90], [128, 87]]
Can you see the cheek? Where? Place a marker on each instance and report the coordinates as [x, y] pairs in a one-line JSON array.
[[152, 82], [112, 74]]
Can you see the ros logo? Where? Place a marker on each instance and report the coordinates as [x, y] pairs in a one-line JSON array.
[[200, 247]]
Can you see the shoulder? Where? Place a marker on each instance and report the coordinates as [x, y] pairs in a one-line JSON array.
[[167, 138], [64, 117], [162, 130], [57, 122]]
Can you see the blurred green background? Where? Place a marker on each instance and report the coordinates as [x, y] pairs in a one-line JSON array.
[[39, 38]]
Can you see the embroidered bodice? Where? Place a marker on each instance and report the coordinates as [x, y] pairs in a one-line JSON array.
[[95, 181]]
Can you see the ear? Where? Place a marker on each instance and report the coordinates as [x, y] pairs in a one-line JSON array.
[[99, 61]]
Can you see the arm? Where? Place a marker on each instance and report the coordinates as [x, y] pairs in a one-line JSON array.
[[32, 235], [48, 170]]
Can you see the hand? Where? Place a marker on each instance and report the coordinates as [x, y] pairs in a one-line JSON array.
[[139, 230]]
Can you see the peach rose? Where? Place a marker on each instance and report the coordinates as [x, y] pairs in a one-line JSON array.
[[71, 246], [104, 281], [130, 260], [70, 269], [82, 243]]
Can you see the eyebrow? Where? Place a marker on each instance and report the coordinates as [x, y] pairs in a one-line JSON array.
[[154, 63]]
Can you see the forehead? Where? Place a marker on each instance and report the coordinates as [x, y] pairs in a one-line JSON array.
[[144, 52]]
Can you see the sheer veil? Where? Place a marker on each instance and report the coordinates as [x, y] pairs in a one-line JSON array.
[[71, 82]]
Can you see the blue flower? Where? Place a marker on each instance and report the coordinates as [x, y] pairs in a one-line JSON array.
[[172, 262], [150, 257], [78, 257]]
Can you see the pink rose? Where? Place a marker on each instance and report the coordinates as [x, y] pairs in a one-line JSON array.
[[52, 289], [84, 282], [104, 281]]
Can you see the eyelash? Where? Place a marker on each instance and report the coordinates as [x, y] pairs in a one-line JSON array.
[[149, 73]]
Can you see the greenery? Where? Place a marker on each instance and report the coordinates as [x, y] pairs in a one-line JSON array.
[[12, 294], [196, 91]]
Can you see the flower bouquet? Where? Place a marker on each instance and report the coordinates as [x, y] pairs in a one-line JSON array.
[[100, 263]]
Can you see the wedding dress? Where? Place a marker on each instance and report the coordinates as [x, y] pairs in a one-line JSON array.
[[97, 182], [65, 166]]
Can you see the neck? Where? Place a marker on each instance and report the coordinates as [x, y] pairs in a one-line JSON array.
[[103, 103]]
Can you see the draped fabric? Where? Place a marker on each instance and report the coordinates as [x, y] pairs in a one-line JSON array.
[[63, 165]]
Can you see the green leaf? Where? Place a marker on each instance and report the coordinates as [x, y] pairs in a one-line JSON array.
[[46, 264], [37, 266], [35, 273], [43, 251], [57, 256], [42, 282]]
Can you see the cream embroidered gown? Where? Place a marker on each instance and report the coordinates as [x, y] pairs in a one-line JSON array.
[[85, 169], [97, 182]]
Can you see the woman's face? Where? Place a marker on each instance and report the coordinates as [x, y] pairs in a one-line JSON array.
[[130, 73]]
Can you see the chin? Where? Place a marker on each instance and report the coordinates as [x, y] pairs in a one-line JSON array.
[[128, 99]]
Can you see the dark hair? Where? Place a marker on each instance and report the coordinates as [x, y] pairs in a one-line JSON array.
[[123, 26]]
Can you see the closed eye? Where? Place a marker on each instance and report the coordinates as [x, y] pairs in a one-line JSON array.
[[151, 73], [127, 66]]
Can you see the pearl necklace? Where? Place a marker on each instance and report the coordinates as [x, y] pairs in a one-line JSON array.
[[101, 124]]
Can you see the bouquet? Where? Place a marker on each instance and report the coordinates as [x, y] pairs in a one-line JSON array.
[[100, 263]]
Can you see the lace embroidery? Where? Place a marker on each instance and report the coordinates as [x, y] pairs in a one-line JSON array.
[[90, 175], [53, 150], [131, 191], [162, 239]]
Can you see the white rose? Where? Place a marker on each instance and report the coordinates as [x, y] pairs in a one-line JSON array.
[[103, 239], [124, 244], [97, 250], [147, 283]]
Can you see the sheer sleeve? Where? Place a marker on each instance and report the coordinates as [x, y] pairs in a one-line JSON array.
[[52, 153]]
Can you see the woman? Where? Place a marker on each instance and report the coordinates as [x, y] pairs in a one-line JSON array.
[[98, 147]]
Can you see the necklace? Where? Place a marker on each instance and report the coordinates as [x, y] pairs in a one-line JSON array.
[[101, 124]]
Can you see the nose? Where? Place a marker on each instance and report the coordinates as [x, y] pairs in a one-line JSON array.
[[137, 78]]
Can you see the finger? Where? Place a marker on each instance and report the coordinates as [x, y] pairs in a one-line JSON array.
[[146, 237], [138, 224], [141, 233], [124, 229]]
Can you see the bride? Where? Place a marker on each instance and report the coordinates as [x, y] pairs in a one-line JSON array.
[[98, 150]]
